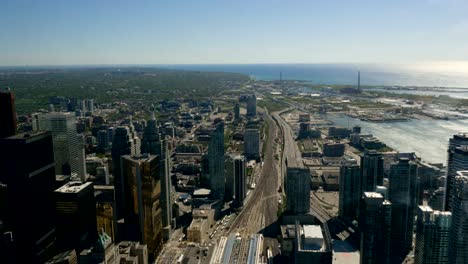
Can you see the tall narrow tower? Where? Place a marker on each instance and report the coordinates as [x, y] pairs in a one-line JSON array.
[[7, 114], [359, 80], [403, 195], [458, 242], [216, 161], [457, 160], [154, 143]]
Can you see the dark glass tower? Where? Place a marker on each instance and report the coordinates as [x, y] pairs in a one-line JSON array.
[[7, 114], [372, 171], [403, 195], [349, 194], [456, 161], [27, 167], [75, 216], [121, 145], [216, 161], [375, 225]]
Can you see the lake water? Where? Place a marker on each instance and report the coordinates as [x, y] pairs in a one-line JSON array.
[[427, 138], [371, 74]]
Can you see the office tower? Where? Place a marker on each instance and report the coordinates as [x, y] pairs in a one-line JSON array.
[[135, 140], [103, 141], [216, 161], [375, 215], [251, 105], [432, 236], [66, 146], [81, 158], [27, 168], [106, 218], [372, 171], [240, 174], [7, 114], [75, 216], [458, 238], [297, 190], [229, 171], [89, 103], [153, 142], [121, 145], [252, 143], [142, 197], [403, 195], [236, 111], [111, 132], [456, 161], [349, 194]]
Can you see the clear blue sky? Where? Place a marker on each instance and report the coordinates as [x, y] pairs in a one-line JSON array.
[[54, 32]]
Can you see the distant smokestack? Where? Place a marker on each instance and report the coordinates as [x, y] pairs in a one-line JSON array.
[[359, 80]]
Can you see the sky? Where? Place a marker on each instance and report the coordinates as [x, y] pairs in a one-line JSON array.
[[67, 32]]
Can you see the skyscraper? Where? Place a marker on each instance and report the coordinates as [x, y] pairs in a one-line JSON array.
[[252, 143], [27, 167], [372, 170], [67, 149], [458, 242], [297, 190], [135, 140], [432, 236], [103, 141], [7, 114], [75, 216], [375, 225], [229, 171], [216, 161], [251, 105], [121, 145], [349, 194], [142, 197], [403, 195], [236, 111], [153, 142], [456, 161], [240, 174]]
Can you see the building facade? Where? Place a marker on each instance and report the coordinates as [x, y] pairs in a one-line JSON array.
[[297, 190], [349, 194], [142, 201], [121, 145], [216, 162], [432, 236], [67, 149], [403, 195], [252, 143], [372, 170], [153, 142], [27, 168], [456, 161], [7, 114], [458, 243], [75, 216], [375, 225], [251, 105]]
